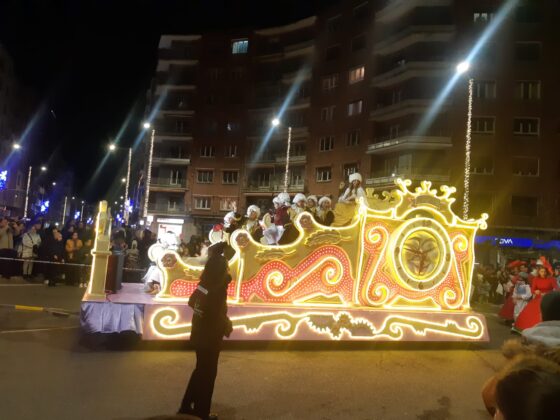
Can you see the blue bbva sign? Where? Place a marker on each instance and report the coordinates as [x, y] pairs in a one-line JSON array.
[[506, 241]]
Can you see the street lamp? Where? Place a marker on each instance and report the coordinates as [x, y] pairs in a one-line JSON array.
[[276, 123], [29, 173], [112, 147], [462, 68], [16, 146]]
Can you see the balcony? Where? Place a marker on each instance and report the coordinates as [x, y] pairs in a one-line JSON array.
[[414, 174], [166, 210], [300, 48], [164, 63], [272, 188], [402, 108], [171, 159], [166, 184], [410, 70], [172, 135], [414, 35], [281, 159], [396, 9], [406, 141], [163, 88]]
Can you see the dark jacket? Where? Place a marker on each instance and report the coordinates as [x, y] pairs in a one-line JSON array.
[[209, 325]]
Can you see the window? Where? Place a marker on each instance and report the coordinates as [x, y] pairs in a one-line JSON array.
[[526, 126], [240, 46], [353, 138], [527, 51], [231, 151], [207, 151], [528, 13], [524, 206], [202, 203], [211, 99], [361, 12], [173, 203], [394, 131], [296, 176], [484, 89], [324, 174], [355, 108], [525, 166], [528, 89], [232, 126], [396, 96], [175, 177], [225, 203], [356, 75], [483, 125], [215, 73], [482, 17], [482, 165], [332, 53], [348, 169], [205, 176], [327, 114], [179, 126], [263, 179], [230, 177], [358, 43], [333, 24], [298, 149], [330, 82], [326, 143], [238, 73]]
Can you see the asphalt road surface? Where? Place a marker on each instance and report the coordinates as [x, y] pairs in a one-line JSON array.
[[48, 371]]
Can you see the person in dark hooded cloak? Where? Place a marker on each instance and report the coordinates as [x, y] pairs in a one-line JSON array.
[[209, 325]]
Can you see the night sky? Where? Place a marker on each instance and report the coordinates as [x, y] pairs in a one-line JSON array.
[[90, 62]]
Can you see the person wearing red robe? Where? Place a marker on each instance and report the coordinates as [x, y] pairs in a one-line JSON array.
[[531, 315], [506, 312]]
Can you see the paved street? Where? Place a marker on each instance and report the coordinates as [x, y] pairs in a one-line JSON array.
[[48, 372]]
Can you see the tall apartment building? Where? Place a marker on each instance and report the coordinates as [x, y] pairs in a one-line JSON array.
[[363, 79]]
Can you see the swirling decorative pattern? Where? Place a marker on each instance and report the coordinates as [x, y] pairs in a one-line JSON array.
[[333, 325], [325, 271]]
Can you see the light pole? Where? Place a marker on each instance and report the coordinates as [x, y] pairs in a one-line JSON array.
[[149, 171], [112, 148], [276, 123], [64, 210], [462, 68], [29, 173], [82, 211]]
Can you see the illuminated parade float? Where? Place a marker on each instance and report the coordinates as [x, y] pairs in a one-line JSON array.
[[401, 270]]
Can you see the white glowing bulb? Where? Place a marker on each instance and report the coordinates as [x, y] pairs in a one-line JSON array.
[[463, 67], [275, 122], [146, 125]]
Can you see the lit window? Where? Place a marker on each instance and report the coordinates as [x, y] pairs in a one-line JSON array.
[[205, 177], [482, 17], [482, 165], [240, 46], [207, 151], [528, 89], [326, 143], [526, 126], [355, 108], [324, 174], [356, 75], [483, 125], [202, 203], [230, 177], [353, 138]]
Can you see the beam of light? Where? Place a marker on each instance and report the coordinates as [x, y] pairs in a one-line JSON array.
[[23, 139], [287, 102], [488, 32]]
